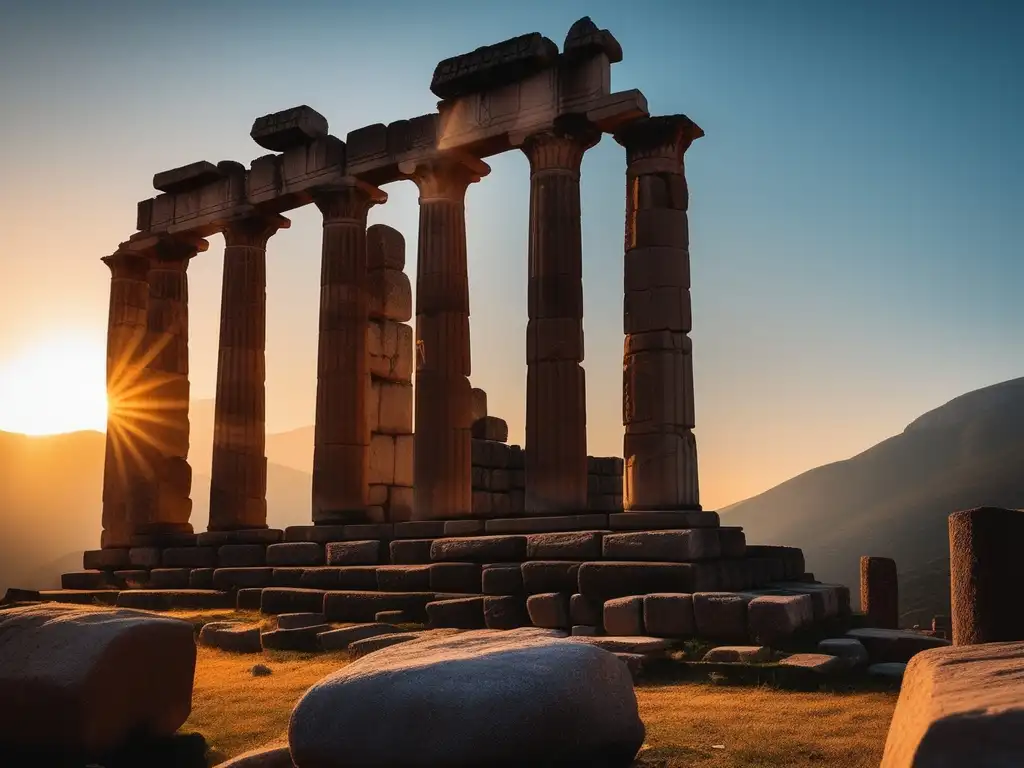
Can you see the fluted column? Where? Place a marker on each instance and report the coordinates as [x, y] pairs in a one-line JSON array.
[[341, 449], [442, 447], [556, 399], [126, 331], [238, 483], [659, 448], [162, 504]]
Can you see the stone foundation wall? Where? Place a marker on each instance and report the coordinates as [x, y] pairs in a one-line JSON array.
[[499, 475]]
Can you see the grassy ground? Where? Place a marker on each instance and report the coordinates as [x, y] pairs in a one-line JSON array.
[[688, 724]]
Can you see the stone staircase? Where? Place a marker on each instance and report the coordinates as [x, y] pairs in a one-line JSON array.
[[665, 574]]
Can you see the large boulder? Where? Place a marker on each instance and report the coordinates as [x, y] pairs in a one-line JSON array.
[[501, 699], [84, 680], [960, 705]]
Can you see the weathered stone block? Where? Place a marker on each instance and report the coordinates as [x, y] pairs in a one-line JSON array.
[[879, 591], [248, 536], [301, 639], [403, 578], [733, 541], [134, 578], [248, 599], [549, 610], [340, 639], [479, 549], [295, 553], [275, 600], [774, 618], [582, 545], [295, 127], [189, 557], [385, 248], [353, 552], [169, 578], [885, 645], [186, 177], [410, 551], [669, 615], [241, 555], [462, 613], [390, 295], [298, 620], [479, 404], [105, 559], [288, 577], [363, 606], [493, 66], [721, 615], [382, 459], [463, 527], [739, 654], [234, 636], [851, 652], [84, 580], [502, 579], [663, 546], [584, 611], [820, 663], [240, 578], [604, 581], [145, 557], [420, 529], [505, 612], [552, 524], [490, 428], [657, 520], [540, 576], [456, 578], [624, 616], [173, 599]]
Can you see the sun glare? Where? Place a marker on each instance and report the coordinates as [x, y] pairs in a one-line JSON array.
[[57, 385]]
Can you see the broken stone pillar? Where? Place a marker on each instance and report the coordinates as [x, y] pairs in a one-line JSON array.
[[556, 400], [238, 483], [341, 441], [986, 575], [442, 486], [659, 448], [126, 332], [879, 592], [161, 504]]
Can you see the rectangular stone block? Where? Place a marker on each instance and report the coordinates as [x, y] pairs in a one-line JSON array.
[[145, 557], [657, 309], [549, 611], [364, 606], [247, 536], [663, 546], [656, 267], [463, 527], [479, 549], [505, 612], [105, 559], [389, 350], [491, 454], [776, 618], [275, 600], [248, 599], [241, 578], [201, 578], [733, 541], [502, 579], [464, 578], [288, 577], [135, 578], [624, 616], [353, 552], [241, 555], [186, 177], [189, 557], [582, 545], [289, 128], [394, 402], [554, 339], [382, 459], [659, 228], [403, 578], [584, 611], [824, 597], [541, 576], [173, 599], [390, 294], [420, 529], [657, 380], [295, 553], [410, 551], [721, 616], [549, 524], [340, 577], [660, 520], [403, 461], [84, 580], [604, 581], [169, 578], [669, 615], [461, 613]]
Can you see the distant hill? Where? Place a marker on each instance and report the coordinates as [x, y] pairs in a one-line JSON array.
[[893, 500], [50, 501]]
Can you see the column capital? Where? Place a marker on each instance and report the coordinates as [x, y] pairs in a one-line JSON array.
[[125, 264], [560, 147], [254, 229], [665, 137], [349, 200], [445, 176]]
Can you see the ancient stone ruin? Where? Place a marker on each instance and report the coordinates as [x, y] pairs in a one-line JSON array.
[[419, 505]]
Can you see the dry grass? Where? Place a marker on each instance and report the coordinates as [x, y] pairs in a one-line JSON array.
[[757, 727]]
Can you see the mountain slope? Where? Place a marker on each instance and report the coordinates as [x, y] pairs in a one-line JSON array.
[[893, 500]]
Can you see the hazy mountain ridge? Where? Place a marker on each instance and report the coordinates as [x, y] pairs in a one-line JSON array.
[[894, 499]]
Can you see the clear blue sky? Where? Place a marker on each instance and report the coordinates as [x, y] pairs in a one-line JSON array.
[[855, 205]]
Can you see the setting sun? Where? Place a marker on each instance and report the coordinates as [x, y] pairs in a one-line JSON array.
[[56, 385]]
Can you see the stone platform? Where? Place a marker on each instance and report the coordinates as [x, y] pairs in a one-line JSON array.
[[662, 574]]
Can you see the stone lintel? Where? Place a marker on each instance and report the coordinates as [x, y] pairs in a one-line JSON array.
[[146, 243], [289, 128], [200, 210], [492, 66], [375, 151], [585, 40], [286, 181], [187, 177], [618, 109]]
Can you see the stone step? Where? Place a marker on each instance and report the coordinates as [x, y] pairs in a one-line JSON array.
[[547, 524], [368, 552], [626, 644], [403, 578], [461, 613], [242, 578], [540, 576], [172, 599], [667, 546], [463, 578], [80, 596], [505, 612], [363, 606], [340, 639], [294, 639], [479, 549], [276, 600], [322, 534], [657, 520], [91, 579]]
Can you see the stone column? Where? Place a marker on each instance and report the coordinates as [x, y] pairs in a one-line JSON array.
[[556, 400], [442, 448], [126, 331], [341, 442], [986, 575], [161, 505], [659, 448], [879, 592], [238, 482]]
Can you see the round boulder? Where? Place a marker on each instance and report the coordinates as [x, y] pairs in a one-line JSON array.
[[500, 699]]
